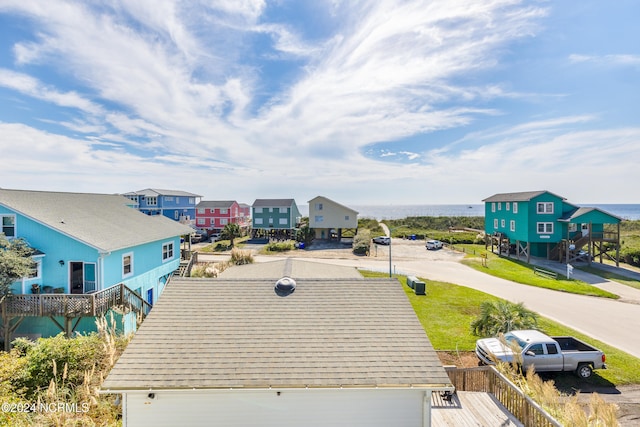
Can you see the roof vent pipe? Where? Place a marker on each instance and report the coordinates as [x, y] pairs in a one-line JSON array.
[[285, 286]]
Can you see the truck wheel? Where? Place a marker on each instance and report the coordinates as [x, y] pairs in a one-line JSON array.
[[584, 371]]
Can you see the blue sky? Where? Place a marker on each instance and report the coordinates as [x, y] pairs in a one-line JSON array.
[[380, 102]]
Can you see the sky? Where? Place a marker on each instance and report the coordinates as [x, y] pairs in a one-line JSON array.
[[364, 102]]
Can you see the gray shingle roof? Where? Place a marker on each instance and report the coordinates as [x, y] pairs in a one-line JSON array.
[[160, 192], [275, 203], [103, 221], [215, 204], [224, 333], [517, 197]]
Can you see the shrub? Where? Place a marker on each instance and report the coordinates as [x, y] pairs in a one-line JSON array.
[[240, 257], [502, 316], [280, 246], [362, 242]]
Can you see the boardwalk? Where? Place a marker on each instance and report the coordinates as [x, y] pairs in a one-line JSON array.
[[469, 408]]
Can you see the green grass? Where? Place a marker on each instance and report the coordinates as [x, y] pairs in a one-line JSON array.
[[611, 276], [521, 272], [446, 313]]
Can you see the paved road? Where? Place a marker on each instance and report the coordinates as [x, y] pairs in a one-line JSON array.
[[616, 323]]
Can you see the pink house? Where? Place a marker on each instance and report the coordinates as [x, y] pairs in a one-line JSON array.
[[214, 215]]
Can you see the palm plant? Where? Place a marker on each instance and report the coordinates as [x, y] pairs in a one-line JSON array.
[[501, 317]]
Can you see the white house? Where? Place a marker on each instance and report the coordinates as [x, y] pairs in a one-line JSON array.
[[331, 219], [241, 352]]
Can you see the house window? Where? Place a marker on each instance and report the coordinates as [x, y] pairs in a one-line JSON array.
[[507, 206], [168, 199], [258, 210], [127, 265], [545, 207], [284, 221], [177, 200], [573, 227], [201, 211], [284, 210], [502, 223], [201, 221], [224, 221], [258, 221], [499, 206], [319, 218], [167, 251], [152, 201], [36, 270], [8, 225], [270, 220], [512, 225], [495, 223], [493, 206], [224, 211], [545, 227], [346, 217], [176, 215], [192, 201], [515, 207], [318, 206]]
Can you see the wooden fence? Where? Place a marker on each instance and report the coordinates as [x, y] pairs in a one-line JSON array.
[[487, 379]]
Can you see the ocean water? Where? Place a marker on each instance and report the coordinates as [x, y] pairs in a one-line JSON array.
[[624, 211]]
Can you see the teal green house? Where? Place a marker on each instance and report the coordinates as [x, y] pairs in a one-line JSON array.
[[275, 218], [94, 255], [543, 224]]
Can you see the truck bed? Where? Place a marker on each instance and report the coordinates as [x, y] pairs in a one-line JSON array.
[[570, 344]]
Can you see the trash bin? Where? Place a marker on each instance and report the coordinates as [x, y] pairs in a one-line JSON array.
[[413, 237], [301, 245], [419, 288]]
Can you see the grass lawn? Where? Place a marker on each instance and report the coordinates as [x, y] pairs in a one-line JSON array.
[[521, 272], [446, 313], [611, 276]]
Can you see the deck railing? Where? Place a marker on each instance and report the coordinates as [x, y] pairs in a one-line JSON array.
[[72, 305], [487, 379]]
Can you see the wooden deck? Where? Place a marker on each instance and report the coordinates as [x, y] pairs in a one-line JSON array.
[[470, 408]]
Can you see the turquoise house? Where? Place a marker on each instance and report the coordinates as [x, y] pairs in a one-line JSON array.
[[275, 218], [94, 254], [543, 224]]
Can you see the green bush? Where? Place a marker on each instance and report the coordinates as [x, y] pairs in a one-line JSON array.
[[280, 246], [362, 242]]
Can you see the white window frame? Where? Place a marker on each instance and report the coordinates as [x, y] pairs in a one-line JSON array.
[[176, 215], [493, 206], [318, 206], [318, 218], [507, 206], [202, 211], [152, 201], [168, 198], [544, 208], [37, 269], [168, 251], [495, 223], [346, 217], [502, 223], [224, 221], [544, 227], [283, 210], [224, 211], [515, 207], [258, 221], [192, 201], [257, 210], [512, 225], [499, 206], [283, 221], [14, 225], [201, 221], [130, 273]]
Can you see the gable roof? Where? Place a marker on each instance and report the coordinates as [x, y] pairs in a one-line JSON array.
[[151, 192], [103, 221], [576, 214], [240, 334], [260, 203], [523, 196], [331, 201], [215, 204]]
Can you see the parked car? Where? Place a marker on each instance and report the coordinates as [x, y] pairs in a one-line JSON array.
[[433, 244], [382, 240], [545, 353], [215, 237], [199, 235]]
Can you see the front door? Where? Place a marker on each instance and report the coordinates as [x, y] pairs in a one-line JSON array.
[[76, 276]]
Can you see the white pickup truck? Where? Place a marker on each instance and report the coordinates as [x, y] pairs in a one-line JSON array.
[[545, 353]]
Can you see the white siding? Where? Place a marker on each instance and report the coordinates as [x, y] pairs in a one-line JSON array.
[[298, 407]]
